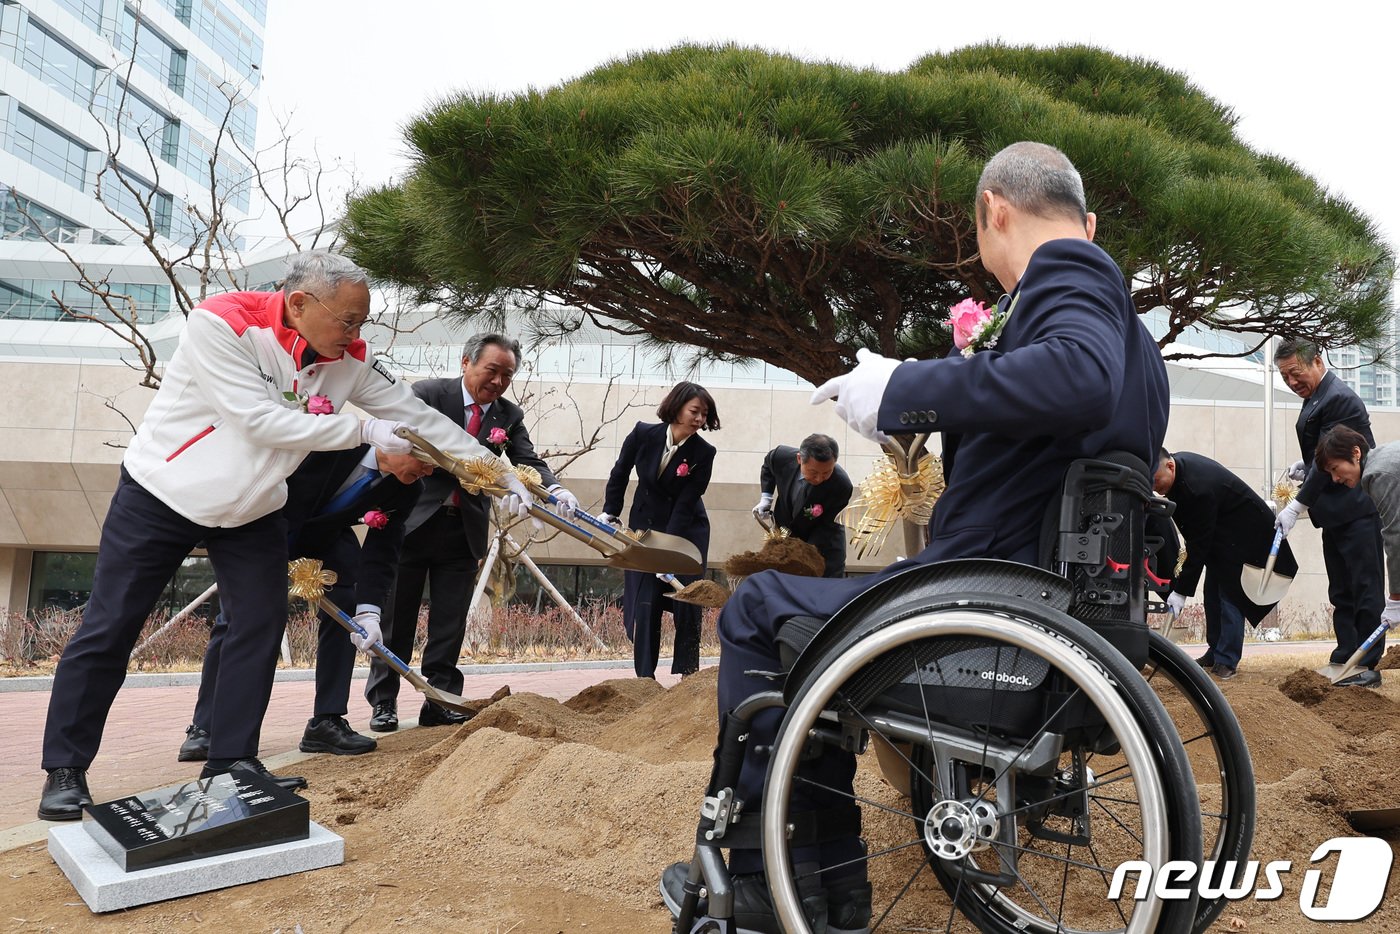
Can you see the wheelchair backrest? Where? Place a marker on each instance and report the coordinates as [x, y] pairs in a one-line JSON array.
[[1095, 538]]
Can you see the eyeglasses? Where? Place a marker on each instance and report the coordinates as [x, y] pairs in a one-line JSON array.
[[350, 327]]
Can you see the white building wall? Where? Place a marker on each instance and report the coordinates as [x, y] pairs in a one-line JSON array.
[[63, 426]]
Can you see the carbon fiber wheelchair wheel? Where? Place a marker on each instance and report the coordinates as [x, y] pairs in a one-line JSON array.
[[994, 708], [1220, 762]]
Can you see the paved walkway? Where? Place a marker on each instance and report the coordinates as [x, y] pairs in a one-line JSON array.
[[147, 725]]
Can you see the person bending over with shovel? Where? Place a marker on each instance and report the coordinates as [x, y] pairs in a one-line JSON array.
[[1227, 526], [1347, 457]]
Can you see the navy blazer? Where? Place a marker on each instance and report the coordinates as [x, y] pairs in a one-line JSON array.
[[1331, 504], [446, 396], [669, 503], [1074, 374], [1226, 526], [795, 498], [312, 532]]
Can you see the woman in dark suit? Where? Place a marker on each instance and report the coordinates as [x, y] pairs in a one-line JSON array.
[[673, 465]]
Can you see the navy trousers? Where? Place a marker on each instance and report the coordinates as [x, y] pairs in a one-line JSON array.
[[643, 602], [1355, 559], [435, 554], [1224, 624], [335, 653], [143, 542]]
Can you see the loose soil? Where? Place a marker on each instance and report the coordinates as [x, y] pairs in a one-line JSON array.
[[539, 817], [703, 592], [789, 555]]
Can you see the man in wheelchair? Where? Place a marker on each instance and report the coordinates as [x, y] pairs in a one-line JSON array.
[[1073, 374]]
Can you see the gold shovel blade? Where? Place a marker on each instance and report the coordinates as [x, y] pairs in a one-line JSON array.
[[657, 553]]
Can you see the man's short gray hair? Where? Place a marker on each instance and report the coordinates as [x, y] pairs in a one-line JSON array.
[[477, 343], [318, 271], [1035, 178]]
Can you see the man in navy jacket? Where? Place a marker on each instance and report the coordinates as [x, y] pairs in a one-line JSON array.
[[327, 496], [1073, 374], [1351, 528]]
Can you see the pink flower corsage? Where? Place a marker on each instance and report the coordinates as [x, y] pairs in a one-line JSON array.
[[375, 519], [814, 511], [497, 436], [975, 326], [683, 469], [314, 405]]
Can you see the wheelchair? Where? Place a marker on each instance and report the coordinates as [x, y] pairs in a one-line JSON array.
[[1032, 736]]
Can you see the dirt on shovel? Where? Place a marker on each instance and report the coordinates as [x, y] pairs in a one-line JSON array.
[[789, 555]]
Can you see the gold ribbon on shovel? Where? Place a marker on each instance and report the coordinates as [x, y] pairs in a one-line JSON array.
[[652, 552], [308, 580], [904, 486]]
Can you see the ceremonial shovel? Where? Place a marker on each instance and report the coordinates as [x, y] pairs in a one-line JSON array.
[[1353, 663], [652, 552], [1261, 585], [309, 581]]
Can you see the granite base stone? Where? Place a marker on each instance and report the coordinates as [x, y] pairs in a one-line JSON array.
[[105, 887]]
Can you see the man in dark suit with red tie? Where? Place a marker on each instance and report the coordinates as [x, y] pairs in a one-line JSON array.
[[327, 496], [447, 531], [803, 490]]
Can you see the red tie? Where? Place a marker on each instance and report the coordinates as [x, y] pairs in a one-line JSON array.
[[473, 426]]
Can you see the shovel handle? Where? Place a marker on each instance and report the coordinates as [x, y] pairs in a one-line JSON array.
[[1355, 660], [378, 648], [1278, 540]]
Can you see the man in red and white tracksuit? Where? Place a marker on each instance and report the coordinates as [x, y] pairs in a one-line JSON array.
[[259, 380]]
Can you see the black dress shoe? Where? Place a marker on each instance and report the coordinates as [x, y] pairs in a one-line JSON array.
[[253, 764], [1206, 661], [196, 747], [333, 735], [65, 793], [385, 718], [433, 715], [1365, 678]]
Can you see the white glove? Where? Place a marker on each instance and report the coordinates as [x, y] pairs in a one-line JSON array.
[[1391, 614], [610, 519], [568, 502], [1176, 602], [368, 618], [859, 392], [764, 508], [1287, 517], [1299, 471], [518, 501], [380, 433]]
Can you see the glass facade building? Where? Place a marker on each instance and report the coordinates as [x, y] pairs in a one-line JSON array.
[[108, 113]]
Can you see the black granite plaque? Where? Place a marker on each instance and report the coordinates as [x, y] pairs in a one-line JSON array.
[[235, 811]]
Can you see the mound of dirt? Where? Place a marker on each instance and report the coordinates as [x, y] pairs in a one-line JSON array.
[[1306, 687], [1391, 659], [789, 555], [538, 817]]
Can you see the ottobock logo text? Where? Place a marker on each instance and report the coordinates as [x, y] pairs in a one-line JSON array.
[[1002, 677], [1358, 884]]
